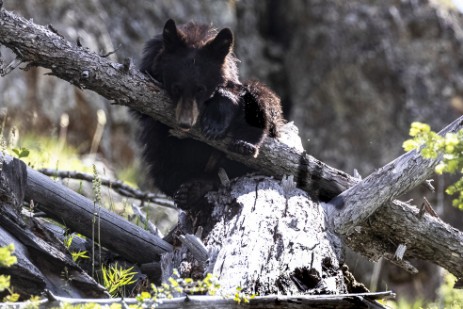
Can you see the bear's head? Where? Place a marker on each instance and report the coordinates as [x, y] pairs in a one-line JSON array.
[[195, 60]]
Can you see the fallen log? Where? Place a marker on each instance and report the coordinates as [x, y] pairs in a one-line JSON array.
[[374, 224], [358, 300], [41, 259], [82, 215]]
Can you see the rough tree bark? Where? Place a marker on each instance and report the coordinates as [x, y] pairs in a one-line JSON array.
[[267, 237], [80, 214], [39, 46], [273, 240]]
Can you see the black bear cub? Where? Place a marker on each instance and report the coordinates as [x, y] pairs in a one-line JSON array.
[[197, 68]]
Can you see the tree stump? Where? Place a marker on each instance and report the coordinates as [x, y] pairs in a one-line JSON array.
[[267, 237]]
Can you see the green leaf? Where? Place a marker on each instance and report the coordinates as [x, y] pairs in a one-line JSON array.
[[4, 282], [7, 258], [450, 147], [21, 152]]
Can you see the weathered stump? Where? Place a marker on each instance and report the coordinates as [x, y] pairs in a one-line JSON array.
[[269, 238]]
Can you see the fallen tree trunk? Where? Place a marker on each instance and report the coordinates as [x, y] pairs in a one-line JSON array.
[[359, 300], [374, 225], [42, 260], [82, 215]]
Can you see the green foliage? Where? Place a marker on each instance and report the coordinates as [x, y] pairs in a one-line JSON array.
[[209, 285], [45, 152], [7, 259], [449, 147], [178, 286], [115, 278], [4, 282], [242, 297], [451, 298], [76, 255], [21, 152]]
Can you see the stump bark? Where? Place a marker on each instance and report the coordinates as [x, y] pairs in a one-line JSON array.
[[267, 237]]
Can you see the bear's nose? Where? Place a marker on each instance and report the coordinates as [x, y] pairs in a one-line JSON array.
[[184, 127]]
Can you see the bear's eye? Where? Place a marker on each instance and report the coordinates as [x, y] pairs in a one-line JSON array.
[[200, 90]]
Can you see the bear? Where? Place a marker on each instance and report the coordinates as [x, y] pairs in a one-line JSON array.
[[196, 66]]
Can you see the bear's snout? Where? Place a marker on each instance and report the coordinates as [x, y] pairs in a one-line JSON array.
[[186, 114]]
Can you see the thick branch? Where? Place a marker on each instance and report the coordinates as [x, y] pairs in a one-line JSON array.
[[222, 302], [128, 86], [394, 179], [426, 237]]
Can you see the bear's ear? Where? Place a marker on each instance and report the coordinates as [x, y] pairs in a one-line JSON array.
[[221, 45], [171, 37]]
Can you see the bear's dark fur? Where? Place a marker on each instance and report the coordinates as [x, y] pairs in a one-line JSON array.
[[197, 68]]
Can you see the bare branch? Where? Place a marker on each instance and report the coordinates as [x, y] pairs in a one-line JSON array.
[[116, 185]]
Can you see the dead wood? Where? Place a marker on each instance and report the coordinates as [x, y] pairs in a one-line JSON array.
[[118, 186], [43, 262], [265, 237], [358, 300], [84, 216], [374, 225]]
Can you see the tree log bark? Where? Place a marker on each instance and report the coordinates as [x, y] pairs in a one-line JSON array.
[[271, 239], [425, 237], [267, 237], [41, 260], [374, 225], [82, 215]]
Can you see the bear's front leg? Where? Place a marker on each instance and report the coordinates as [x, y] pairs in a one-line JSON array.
[[218, 114], [191, 194], [247, 139]]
